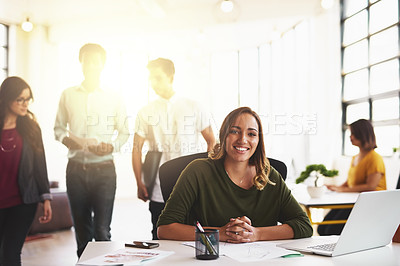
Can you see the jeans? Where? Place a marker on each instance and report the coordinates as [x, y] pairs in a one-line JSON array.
[[155, 209], [14, 226], [91, 192]]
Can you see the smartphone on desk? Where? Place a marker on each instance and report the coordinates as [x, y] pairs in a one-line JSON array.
[[142, 244]]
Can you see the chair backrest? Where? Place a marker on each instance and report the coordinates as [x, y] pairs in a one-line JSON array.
[[170, 171], [398, 183], [279, 166]]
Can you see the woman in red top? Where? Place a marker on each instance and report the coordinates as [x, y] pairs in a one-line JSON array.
[[23, 172]]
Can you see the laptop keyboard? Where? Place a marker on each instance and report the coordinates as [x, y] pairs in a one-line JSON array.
[[325, 247]]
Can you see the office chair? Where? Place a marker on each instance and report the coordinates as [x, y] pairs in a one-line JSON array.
[[279, 166], [171, 170], [398, 183]]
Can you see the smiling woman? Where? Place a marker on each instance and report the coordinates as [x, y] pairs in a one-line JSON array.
[[241, 147], [20, 105], [235, 190], [23, 172]]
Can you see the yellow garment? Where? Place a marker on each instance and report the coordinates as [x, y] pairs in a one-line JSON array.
[[370, 164]]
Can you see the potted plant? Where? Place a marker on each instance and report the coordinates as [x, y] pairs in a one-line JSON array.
[[396, 152], [316, 171]]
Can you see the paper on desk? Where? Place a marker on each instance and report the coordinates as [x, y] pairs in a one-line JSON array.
[[127, 256], [85, 143], [247, 252]]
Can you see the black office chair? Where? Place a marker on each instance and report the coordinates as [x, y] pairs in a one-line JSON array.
[[279, 166], [171, 170], [398, 183]]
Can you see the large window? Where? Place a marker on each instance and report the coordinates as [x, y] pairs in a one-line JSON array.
[[370, 70], [274, 79], [3, 52]]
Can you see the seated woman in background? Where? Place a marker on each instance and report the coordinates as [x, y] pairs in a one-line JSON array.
[[234, 190], [366, 173]]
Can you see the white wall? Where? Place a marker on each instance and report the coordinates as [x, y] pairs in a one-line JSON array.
[[325, 90]]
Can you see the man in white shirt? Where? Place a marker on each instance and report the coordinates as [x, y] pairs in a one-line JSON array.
[[86, 121], [171, 125]]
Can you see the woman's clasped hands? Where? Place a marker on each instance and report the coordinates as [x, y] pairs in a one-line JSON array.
[[238, 230]]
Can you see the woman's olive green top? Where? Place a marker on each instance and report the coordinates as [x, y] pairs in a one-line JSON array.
[[204, 192]]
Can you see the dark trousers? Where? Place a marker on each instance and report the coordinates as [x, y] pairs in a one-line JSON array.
[[333, 229], [14, 226], [91, 192], [155, 209]]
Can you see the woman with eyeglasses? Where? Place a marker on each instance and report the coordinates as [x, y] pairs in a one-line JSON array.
[[23, 172]]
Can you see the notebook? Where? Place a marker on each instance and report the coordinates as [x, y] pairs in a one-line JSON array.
[[371, 224]]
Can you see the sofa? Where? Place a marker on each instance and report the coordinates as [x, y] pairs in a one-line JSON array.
[[61, 218]]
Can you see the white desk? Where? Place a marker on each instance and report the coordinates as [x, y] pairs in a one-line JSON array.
[[330, 200], [387, 256]]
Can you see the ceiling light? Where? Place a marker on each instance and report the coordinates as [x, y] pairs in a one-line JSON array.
[[226, 6], [27, 25]]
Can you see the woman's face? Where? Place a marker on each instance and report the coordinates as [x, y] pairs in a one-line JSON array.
[[19, 106], [242, 139], [354, 140]]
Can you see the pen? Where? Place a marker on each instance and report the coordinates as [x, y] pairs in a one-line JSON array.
[[206, 240]]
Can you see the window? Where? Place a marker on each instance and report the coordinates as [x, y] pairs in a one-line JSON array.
[[370, 70], [243, 77], [3, 52], [224, 74], [261, 77], [248, 77]]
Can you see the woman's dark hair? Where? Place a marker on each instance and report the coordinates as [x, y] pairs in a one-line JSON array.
[[27, 126], [258, 159], [363, 131]]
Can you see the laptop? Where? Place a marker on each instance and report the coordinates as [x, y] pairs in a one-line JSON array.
[[371, 224]]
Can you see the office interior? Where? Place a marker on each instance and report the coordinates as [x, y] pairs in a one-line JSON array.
[[286, 59], [280, 58]]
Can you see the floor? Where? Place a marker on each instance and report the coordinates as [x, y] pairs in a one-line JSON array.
[[131, 221]]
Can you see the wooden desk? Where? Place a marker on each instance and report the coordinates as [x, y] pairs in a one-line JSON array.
[[330, 200], [388, 255]]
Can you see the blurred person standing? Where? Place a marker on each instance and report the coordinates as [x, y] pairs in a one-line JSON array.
[[87, 121], [171, 125], [23, 172]]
